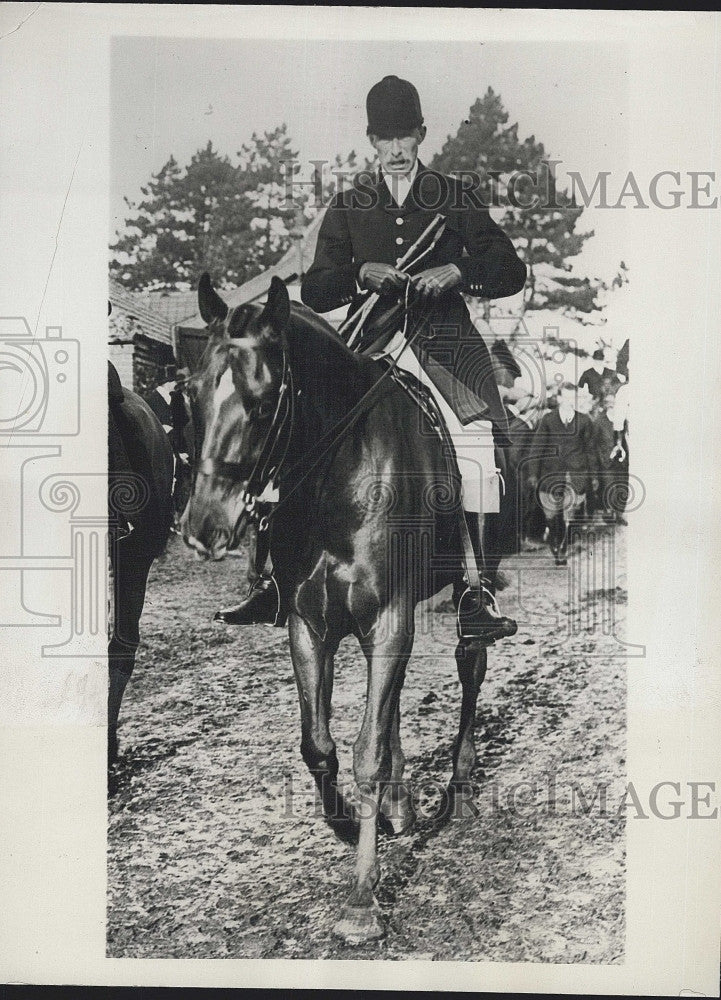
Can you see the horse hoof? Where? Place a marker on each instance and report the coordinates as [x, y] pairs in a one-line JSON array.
[[359, 924], [345, 828], [399, 819], [394, 826]]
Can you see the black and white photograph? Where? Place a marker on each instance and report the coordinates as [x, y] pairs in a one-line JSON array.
[[369, 616]]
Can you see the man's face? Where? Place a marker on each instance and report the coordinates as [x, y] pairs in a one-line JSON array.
[[398, 154]]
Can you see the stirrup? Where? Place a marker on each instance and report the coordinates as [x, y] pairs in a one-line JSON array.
[[497, 627], [275, 616]]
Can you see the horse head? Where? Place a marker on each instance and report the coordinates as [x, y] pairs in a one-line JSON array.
[[234, 400]]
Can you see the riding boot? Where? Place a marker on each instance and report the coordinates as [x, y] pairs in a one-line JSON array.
[[477, 614], [263, 604]]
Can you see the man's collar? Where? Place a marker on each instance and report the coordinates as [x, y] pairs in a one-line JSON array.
[[412, 202], [400, 186]]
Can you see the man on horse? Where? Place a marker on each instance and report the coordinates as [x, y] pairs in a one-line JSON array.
[[364, 241]]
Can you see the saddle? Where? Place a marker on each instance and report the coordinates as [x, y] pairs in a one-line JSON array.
[[423, 398]]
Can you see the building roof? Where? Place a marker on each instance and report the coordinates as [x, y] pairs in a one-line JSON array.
[[173, 306], [292, 265], [132, 316]]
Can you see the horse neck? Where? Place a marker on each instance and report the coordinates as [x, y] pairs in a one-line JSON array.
[[328, 379]]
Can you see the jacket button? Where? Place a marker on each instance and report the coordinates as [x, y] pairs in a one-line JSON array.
[[399, 260], [399, 240], [399, 221]]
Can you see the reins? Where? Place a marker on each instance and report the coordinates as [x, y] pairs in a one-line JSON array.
[[433, 231]]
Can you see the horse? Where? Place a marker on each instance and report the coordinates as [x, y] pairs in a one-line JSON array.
[[140, 515], [361, 517]]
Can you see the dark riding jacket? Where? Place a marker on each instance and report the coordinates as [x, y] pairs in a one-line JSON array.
[[559, 449], [365, 224]]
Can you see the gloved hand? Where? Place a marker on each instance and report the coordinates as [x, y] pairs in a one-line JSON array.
[[436, 280], [381, 278]]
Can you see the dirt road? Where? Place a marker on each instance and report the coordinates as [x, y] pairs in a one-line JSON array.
[[215, 846]]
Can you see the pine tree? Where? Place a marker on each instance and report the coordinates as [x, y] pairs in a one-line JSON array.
[[540, 219], [231, 219]]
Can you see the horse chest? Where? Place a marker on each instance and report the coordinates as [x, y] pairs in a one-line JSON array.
[[335, 590]]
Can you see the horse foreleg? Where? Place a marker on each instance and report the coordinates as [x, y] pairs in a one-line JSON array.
[[471, 661], [313, 666], [372, 763]]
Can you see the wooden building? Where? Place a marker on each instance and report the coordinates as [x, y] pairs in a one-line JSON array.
[[140, 339]]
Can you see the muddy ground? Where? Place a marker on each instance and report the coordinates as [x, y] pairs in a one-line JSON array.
[[215, 847]]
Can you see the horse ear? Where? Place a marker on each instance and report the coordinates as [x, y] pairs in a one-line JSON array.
[[211, 305], [276, 315]]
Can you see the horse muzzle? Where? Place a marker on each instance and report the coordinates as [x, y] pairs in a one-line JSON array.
[[203, 536], [217, 552]]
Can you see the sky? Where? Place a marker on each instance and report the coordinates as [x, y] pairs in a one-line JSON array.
[[170, 96]]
